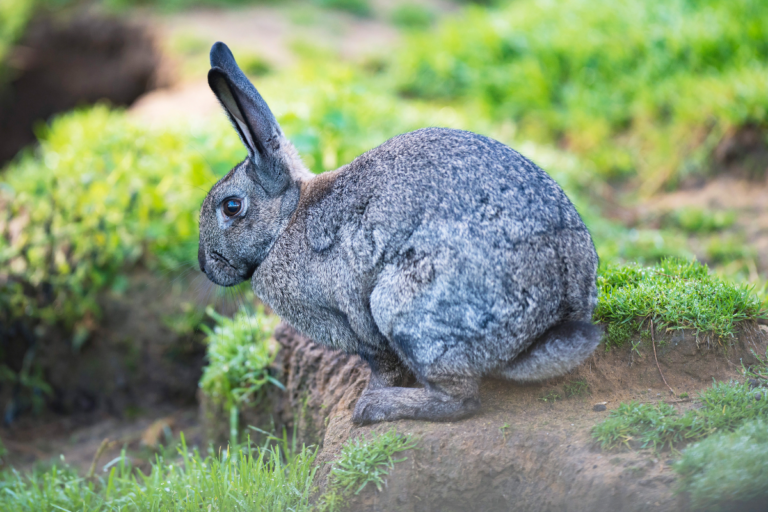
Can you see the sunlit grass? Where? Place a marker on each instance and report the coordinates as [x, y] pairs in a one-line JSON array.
[[242, 479], [674, 294], [644, 89], [361, 462]]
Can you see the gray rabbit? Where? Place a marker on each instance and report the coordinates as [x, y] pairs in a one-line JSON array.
[[441, 255]]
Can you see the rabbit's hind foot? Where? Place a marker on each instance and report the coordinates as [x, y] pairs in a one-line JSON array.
[[439, 401]]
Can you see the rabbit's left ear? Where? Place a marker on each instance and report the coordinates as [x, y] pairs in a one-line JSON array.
[[250, 115]]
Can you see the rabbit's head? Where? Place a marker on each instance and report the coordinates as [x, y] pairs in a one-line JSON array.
[[247, 209]]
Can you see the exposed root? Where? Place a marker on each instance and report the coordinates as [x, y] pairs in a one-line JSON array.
[[653, 343]]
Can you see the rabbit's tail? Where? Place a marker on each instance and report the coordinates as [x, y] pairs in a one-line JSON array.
[[556, 352]]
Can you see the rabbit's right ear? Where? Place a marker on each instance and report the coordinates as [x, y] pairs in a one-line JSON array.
[[251, 117]]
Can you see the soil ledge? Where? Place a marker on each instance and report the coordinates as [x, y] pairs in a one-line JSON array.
[[529, 448]]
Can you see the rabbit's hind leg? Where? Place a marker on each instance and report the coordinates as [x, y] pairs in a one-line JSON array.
[[387, 370], [440, 400]]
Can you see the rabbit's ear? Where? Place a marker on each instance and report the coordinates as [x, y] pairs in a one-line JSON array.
[[250, 115]]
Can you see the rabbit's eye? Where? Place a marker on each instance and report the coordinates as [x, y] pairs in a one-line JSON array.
[[232, 207]]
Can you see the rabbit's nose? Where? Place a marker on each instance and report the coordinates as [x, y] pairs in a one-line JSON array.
[[201, 257]]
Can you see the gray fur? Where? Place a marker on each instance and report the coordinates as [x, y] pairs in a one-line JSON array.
[[441, 255]]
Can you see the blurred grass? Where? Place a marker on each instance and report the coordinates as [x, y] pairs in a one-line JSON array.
[[102, 193], [727, 471], [240, 352], [642, 89]]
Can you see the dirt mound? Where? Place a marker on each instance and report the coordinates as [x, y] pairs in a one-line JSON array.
[[64, 63], [529, 448]]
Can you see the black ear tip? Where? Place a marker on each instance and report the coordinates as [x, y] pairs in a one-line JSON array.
[[215, 75], [220, 55]]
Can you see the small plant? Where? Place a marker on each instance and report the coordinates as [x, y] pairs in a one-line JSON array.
[[727, 471], [617, 334], [576, 388], [240, 351], [187, 321], [368, 461], [641, 424], [759, 370], [697, 220], [722, 249], [550, 397], [363, 461], [253, 65], [503, 429]]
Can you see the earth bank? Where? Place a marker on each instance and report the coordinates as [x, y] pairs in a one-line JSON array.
[[529, 448]]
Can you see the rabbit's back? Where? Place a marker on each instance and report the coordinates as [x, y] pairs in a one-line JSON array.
[[449, 235]]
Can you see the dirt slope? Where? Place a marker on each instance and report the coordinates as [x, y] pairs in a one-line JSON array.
[[524, 451]]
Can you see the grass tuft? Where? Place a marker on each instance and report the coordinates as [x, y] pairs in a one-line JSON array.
[[724, 407], [361, 462], [675, 294], [240, 351]]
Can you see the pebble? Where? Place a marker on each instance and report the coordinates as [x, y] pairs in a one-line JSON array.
[[599, 407], [754, 383], [758, 396]]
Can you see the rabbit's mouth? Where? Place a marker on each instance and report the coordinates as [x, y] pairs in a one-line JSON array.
[[224, 273], [250, 271]]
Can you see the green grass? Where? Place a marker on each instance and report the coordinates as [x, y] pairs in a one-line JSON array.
[[674, 294], [239, 480], [550, 397], [242, 479], [361, 462], [727, 471], [356, 7], [698, 221], [240, 352], [723, 408], [412, 16], [644, 89]]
